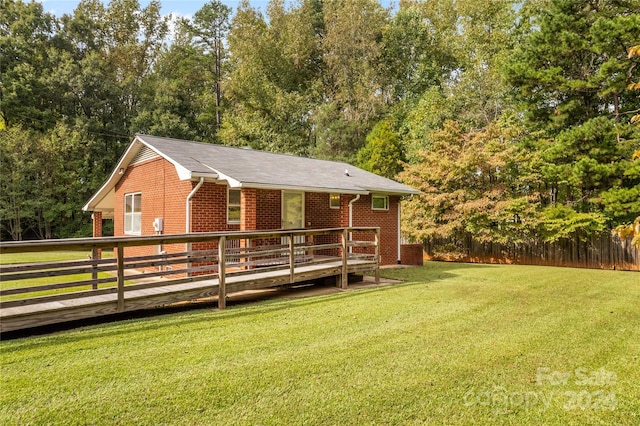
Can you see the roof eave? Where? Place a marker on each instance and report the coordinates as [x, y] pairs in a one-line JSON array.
[[255, 185], [114, 178]]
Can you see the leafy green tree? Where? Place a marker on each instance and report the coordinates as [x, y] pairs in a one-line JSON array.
[[382, 154], [208, 28], [25, 39], [414, 52], [16, 188], [572, 64], [272, 87], [351, 85], [569, 72]]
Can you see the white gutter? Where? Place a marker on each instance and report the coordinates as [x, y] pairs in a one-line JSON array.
[[351, 219], [189, 197]]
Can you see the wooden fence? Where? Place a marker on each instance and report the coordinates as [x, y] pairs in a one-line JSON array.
[[604, 251]]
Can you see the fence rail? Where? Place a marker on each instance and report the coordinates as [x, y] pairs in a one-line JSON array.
[[181, 268], [603, 251]]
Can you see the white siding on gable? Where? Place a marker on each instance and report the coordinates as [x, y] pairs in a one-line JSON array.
[[144, 154]]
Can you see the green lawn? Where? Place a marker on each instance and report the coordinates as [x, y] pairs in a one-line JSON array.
[[454, 344], [51, 256]]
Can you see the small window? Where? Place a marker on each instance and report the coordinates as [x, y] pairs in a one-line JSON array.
[[133, 213], [334, 201], [233, 206], [380, 202]]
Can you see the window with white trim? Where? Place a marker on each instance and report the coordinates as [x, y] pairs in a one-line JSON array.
[[379, 202], [334, 201], [133, 213], [233, 206]]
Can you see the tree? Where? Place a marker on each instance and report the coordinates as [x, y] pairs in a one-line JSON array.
[[472, 182], [382, 153], [273, 84], [208, 29], [25, 39], [351, 87], [569, 73], [16, 186], [414, 52], [572, 64]]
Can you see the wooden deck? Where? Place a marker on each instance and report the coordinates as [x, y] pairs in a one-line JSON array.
[[224, 263]]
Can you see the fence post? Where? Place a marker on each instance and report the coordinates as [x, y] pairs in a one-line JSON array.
[[120, 251], [345, 271], [222, 262]]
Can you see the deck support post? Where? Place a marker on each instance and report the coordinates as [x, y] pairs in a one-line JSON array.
[[120, 250], [292, 259], [95, 255], [222, 262], [377, 254], [345, 244]]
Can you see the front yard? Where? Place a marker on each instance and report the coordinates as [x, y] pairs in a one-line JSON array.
[[453, 344]]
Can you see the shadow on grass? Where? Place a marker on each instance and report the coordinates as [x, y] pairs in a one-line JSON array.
[[267, 301]]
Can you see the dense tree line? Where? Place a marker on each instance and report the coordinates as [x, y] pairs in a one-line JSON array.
[[514, 118]]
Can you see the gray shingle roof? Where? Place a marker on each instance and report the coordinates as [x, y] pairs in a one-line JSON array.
[[252, 168], [241, 167]]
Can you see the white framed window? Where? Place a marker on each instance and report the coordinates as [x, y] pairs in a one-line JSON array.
[[379, 202], [233, 205], [334, 201], [133, 213]]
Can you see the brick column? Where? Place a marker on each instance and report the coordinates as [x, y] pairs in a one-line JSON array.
[[248, 209], [97, 224], [97, 232]]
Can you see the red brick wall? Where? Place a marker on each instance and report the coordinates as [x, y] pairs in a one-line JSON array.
[[318, 212], [163, 196], [386, 220], [248, 209], [268, 209], [411, 254], [209, 209]]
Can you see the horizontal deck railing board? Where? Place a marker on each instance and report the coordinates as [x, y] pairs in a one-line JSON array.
[[45, 287], [253, 267], [54, 265]]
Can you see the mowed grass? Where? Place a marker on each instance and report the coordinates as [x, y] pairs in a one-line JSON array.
[[453, 344]]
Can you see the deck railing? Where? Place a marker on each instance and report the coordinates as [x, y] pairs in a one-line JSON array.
[[179, 259]]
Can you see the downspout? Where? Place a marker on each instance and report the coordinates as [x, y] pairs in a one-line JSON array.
[[351, 219], [189, 197], [399, 233]]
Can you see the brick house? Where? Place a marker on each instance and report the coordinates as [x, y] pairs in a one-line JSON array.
[[172, 186]]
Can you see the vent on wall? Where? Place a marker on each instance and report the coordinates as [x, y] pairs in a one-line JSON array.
[[144, 154]]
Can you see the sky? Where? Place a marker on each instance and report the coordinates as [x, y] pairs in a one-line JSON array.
[[185, 8]]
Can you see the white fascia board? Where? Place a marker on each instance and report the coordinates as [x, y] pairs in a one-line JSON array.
[[114, 178], [305, 188], [233, 183], [390, 192]]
